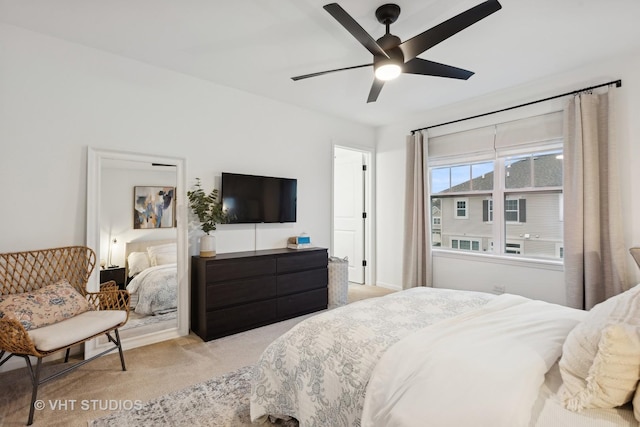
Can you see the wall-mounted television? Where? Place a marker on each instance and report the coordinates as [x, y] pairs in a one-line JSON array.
[[252, 199]]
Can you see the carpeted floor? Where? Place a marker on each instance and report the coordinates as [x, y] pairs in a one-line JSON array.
[[92, 391]]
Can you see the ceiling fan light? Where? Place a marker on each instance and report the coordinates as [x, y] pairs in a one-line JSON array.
[[388, 71]]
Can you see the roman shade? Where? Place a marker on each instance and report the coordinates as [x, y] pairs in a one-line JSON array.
[[508, 138]]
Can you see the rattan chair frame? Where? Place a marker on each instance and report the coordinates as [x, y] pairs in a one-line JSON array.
[[28, 271]]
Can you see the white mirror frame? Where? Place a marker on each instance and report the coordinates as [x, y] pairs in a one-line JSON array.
[[95, 159]]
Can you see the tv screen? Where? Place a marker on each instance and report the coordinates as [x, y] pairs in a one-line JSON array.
[[253, 199]]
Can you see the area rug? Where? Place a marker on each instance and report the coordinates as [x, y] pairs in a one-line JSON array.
[[222, 401], [136, 319]]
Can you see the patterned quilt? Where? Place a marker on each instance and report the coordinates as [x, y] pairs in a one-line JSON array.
[[156, 289], [319, 370]]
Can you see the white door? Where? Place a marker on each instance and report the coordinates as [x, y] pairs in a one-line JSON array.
[[348, 210]]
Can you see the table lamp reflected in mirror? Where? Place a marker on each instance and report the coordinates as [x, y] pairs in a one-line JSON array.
[[114, 242]]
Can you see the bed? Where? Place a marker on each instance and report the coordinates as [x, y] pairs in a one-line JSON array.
[[151, 271], [441, 357]]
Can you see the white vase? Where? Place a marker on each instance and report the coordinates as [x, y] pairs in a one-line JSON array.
[[207, 246]]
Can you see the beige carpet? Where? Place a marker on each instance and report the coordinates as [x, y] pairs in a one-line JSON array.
[[152, 371]]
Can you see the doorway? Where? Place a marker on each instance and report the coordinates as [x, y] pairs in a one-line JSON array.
[[352, 211]]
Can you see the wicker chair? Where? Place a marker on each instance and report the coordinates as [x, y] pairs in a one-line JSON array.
[[22, 272]]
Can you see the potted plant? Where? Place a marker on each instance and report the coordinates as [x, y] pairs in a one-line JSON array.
[[210, 213]]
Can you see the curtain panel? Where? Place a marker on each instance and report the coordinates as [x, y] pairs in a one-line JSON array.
[[416, 260], [594, 251]]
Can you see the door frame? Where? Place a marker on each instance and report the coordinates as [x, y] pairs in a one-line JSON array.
[[369, 205]]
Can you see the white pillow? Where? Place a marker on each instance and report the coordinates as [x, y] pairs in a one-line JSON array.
[[136, 262], [162, 254], [600, 363]]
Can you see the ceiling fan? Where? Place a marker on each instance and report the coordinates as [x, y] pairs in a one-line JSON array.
[[391, 56]]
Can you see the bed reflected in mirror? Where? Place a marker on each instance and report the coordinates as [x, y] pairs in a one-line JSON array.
[[135, 223], [151, 272]]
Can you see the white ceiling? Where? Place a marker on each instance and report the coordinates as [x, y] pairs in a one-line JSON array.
[[257, 45]]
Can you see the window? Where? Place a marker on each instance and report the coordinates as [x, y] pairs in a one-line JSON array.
[[461, 208], [465, 244], [498, 188], [514, 200], [487, 210], [515, 210], [513, 248]]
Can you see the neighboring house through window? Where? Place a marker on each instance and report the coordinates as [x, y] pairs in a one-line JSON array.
[[506, 186]]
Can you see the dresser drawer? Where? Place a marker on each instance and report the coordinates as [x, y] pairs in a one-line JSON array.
[[240, 268], [302, 261], [240, 291], [307, 302], [302, 281], [227, 321]]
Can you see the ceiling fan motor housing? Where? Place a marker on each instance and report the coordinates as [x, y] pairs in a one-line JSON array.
[[389, 43], [387, 14]]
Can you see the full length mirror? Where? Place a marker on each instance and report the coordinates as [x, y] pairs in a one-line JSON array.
[[136, 223]]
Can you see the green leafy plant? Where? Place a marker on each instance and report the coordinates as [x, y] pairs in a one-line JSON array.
[[207, 207]]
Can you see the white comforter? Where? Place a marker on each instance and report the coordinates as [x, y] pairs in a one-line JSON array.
[[481, 368], [318, 371], [156, 288]]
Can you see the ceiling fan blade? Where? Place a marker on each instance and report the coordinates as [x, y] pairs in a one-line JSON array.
[[430, 68], [376, 87], [320, 73], [418, 44], [355, 29]]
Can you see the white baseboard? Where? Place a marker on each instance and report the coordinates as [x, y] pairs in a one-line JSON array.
[[389, 286]]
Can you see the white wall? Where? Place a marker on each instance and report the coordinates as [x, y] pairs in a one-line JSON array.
[[461, 272], [58, 98]]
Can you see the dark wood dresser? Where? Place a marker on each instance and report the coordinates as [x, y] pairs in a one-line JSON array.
[[235, 292]]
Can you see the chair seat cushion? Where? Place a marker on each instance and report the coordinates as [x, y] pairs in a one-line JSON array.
[[76, 329]]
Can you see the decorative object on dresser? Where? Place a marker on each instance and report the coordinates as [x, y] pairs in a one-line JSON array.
[[117, 274], [234, 292], [210, 213]]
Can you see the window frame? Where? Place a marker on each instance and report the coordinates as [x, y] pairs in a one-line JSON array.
[[496, 198]]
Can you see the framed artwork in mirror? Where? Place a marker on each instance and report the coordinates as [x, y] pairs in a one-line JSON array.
[[153, 207]]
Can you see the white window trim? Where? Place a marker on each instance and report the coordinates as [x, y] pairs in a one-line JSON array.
[[516, 261]]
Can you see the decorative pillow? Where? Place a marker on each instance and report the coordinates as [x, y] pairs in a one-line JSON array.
[[600, 363], [48, 305], [136, 262], [162, 254]]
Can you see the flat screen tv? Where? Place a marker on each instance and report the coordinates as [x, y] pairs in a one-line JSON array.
[[252, 199]]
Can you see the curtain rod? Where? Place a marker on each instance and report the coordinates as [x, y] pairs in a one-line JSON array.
[[618, 83]]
